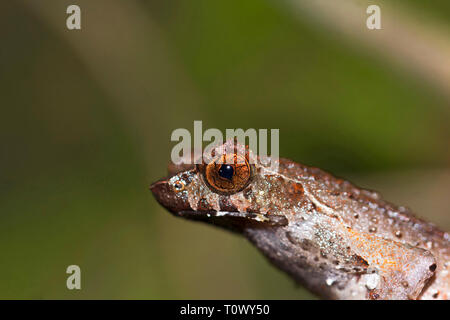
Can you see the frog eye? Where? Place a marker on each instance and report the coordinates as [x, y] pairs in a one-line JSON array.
[[178, 186], [228, 174]]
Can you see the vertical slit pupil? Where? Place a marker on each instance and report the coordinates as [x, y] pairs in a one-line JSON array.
[[226, 171]]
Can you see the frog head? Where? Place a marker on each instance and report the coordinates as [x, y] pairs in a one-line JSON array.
[[233, 189]]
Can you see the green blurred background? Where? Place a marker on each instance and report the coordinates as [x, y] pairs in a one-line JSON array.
[[87, 117]]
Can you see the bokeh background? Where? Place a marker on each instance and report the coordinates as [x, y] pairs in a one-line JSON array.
[[86, 118]]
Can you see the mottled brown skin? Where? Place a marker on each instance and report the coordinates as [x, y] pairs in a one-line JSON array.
[[339, 241]]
